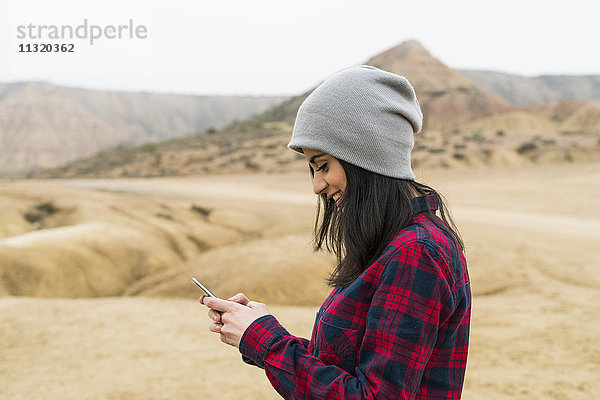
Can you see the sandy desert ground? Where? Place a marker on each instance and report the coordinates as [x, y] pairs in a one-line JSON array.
[[98, 305]]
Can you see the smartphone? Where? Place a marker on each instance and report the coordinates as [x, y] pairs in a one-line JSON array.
[[204, 288]]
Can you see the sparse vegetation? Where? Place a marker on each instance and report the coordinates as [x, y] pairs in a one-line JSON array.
[[437, 150], [39, 212], [149, 148], [527, 147], [252, 165], [164, 216], [477, 135], [205, 212], [574, 133]]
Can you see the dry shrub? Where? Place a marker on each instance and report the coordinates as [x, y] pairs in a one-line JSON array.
[[527, 147]]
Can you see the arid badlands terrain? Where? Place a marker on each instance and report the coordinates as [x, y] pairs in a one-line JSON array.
[[96, 301]]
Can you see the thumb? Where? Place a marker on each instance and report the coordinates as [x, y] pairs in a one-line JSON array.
[[240, 298]]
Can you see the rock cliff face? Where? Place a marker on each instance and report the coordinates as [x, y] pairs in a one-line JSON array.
[[43, 125]]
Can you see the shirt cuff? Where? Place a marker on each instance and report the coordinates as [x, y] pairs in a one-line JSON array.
[[258, 338]]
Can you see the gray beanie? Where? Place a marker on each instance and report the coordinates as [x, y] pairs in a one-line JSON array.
[[364, 116]]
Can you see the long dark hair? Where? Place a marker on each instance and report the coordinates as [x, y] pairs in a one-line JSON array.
[[374, 208]]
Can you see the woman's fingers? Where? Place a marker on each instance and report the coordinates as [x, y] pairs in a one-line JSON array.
[[230, 319], [239, 298], [214, 315], [216, 328], [218, 304]]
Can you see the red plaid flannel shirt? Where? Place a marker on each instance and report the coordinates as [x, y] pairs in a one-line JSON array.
[[399, 331]]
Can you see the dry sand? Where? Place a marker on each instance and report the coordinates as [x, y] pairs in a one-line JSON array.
[[532, 237]]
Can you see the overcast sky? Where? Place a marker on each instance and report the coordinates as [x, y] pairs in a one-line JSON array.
[[284, 48]]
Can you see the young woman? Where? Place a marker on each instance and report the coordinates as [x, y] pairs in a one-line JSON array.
[[396, 325]]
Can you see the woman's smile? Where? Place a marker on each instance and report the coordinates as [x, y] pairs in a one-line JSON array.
[[328, 174], [337, 197]]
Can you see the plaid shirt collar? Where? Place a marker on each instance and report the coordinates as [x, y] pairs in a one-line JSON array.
[[420, 203]]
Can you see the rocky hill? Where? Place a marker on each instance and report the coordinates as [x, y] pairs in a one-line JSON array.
[[464, 125], [43, 125], [447, 98], [521, 91]]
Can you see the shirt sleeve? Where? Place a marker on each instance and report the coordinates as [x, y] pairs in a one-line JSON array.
[[401, 332]]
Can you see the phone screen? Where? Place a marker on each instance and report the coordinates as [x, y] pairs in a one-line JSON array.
[[204, 288]]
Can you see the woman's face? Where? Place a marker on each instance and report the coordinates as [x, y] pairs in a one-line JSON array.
[[329, 177]]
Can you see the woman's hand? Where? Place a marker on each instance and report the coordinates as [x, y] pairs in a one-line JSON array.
[[232, 317]]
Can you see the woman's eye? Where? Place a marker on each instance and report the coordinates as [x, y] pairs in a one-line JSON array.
[[322, 167]]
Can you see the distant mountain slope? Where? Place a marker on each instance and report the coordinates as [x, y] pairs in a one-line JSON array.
[[447, 98], [43, 125], [464, 125], [520, 90]]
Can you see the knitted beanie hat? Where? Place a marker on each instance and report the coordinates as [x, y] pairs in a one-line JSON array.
[[364, 116]]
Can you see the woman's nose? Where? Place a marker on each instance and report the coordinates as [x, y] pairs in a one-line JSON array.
[[319, 184]]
